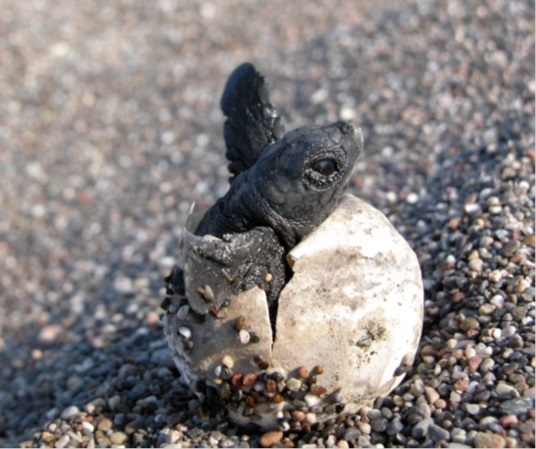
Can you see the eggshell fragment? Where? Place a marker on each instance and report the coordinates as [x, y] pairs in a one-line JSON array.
[[348, 324]]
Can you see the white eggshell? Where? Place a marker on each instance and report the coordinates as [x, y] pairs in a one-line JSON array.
[[354, 306]]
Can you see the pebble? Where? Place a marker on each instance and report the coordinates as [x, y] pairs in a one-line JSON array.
[[271, 437], [437, 433], [50, 333], [476, 265], [431, 394], [244, 336], [104, 424], [489, 440], [70, 412], [516, 406], [420, 429], [351, 434], [119, 438]]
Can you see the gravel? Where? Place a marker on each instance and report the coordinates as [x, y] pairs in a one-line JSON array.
[[110, 128]]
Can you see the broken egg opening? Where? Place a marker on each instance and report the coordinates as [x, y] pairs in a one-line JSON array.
[[348, 324]]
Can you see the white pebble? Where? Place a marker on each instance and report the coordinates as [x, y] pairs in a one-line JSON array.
[[504, 390], [87, 428], [471, 208], [185, 332], [70, 412], [508, 331], [412, 198], [470, 352], [497, 301], [497, 334], [487, 365], [293, 384], [311, 400], [228, 361], [495, 276], [310, 418], [472, 409], [244, 336]]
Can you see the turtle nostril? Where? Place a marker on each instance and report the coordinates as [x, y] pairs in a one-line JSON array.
[[345, 127]]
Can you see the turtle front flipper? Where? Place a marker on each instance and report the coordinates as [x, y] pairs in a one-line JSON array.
[[215, 269], [252, 121]]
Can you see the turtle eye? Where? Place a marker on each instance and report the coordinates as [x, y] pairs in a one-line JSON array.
[[325, 167]]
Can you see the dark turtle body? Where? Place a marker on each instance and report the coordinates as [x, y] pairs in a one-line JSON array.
[[282, 188]]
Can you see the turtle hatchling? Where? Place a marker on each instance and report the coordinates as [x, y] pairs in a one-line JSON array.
[[290, 294]]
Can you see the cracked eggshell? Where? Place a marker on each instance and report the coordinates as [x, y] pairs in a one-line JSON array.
[[350, 317]]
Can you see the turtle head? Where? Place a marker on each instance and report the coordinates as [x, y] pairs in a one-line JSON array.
[[301, 177]]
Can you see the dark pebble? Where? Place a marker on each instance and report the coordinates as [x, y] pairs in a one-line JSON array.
[[516, 406], [394, 426], [436, 433], [351, 434], [379, 424]]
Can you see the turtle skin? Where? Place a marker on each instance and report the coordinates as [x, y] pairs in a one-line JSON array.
[[282, 188]]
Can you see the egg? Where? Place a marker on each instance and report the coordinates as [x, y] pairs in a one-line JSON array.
[[347, 326]]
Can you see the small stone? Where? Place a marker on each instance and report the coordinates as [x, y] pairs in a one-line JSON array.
[[472, 409], [240, 323], [437, 433], [244, 336], [469, 323], [311, 400], [476, 265], [343, 444], [87, 428], [237, 380], [471, 208], [50, 333], [104, 424], [517, 406], [249, 379], [271, 437], [270, 388], [297, 415], [303, 372], [310, 418], [510, 248], [70, 412], [504, 390], [495, 276], [487, 365], [119, 438], [420, 429], [431, 394], [489, 440], [317, 390], [508, 420], [379, 424], [364, 427], [185, 332], [318, 370], [352, 434], [254, 337], [96, 406], [228, 361], [62, 442], [293, 384]]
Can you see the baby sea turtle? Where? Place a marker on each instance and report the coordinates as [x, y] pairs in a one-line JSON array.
[[282, 188], [294, 303]]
